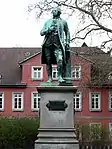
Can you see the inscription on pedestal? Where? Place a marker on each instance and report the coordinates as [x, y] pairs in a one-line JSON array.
[[56, 105]]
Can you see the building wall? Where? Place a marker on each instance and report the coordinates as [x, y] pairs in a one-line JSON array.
[[27, 102], [27, 71], [103, 116], [85, 70], [99, 116]]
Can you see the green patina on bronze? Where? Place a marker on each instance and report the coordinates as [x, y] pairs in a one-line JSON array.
[[56, 46]]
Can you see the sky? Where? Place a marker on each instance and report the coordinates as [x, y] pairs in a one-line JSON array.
[[18, 28]]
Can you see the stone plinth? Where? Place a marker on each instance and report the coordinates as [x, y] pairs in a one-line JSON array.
[[56, 118]]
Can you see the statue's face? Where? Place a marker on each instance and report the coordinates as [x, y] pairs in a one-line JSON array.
[[55, 12]]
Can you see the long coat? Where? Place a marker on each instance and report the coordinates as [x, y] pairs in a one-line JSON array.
[[63, 29]]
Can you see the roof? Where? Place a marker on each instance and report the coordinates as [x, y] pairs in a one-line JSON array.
[[28, 58], [10, 70], [12, 58], [87, 51]]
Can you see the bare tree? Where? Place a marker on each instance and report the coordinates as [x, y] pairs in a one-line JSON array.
[[95, 16]]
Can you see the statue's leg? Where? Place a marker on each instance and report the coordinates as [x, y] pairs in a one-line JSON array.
[[59, 59], [48, 64]]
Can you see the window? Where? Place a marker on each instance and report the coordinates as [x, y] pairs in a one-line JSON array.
[[95, 102], [1, 101], [35, 101], [78, 101], [76, 72], [110, 129], [37, 72], [54, 73], [110, 102], [17, 101]]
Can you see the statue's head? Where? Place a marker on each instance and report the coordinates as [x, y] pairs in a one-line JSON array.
[[56, 11]]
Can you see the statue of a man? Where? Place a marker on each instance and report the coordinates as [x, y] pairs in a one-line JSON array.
[[55, 44]]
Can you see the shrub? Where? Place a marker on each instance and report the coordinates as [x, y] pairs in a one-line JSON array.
[[85, 132], [18, 132]]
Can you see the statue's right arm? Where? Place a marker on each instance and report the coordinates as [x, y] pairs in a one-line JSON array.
[[44, 30]]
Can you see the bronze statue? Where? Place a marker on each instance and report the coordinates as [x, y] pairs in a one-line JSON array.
[[56, 44]]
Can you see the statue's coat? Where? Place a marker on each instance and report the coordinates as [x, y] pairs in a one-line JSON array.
[[62, 30]]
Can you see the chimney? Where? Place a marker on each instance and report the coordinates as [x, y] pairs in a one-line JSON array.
[[84, 45]]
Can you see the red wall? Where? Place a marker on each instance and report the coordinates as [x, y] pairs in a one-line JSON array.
[[85, 70], [36, 61], [27, 69], [85, 115], [27, 102], [103, 116]]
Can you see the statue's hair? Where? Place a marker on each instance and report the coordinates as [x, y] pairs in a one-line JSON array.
[[59, 10]]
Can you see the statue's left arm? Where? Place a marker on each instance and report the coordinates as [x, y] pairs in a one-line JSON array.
[[67, 34]]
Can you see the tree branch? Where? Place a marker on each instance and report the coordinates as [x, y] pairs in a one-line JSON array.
[[93, 29], [95, 10], [105, 42], [93, 17], [86, 28], [86, 12]]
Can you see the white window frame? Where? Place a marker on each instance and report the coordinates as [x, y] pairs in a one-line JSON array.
[[32, 101], [73, 70], [80, 101], [2, 109], [110, 129], [22, 102], [54, 69], [90, 101], [34, 78], [110, 101]]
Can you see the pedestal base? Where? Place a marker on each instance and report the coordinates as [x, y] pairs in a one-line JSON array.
[[56, 146], [56, 118], [56, 139]]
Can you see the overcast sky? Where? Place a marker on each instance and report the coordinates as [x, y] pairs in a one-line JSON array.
[[20, 29], [17, 28]]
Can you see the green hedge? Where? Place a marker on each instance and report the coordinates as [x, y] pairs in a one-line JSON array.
[[21, 133], [85, 132], [18, 133]]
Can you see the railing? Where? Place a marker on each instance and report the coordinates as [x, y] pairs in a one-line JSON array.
[[82, 145], [95, 145]]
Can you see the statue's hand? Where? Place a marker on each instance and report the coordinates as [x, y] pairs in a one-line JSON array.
[[51, 29]]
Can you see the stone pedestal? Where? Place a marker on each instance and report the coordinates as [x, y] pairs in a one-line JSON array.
[[56, 118]]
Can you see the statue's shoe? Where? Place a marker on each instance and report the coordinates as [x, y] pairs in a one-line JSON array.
[[61, 80], [49, 80]]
